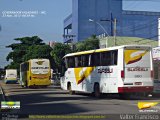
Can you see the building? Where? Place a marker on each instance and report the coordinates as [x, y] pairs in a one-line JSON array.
[[52, 43], [102, 14]]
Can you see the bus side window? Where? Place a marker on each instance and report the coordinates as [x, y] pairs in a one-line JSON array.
[[78, 61], [25, 66], [95, 59], [85, 60], [66, 62], [106, 58], [71, 62], [114, 56]]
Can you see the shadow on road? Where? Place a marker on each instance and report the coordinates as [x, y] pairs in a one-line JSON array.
[[45, 103]]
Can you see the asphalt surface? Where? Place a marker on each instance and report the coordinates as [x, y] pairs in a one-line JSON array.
[[54, 101]]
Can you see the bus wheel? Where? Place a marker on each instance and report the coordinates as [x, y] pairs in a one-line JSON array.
[[97, 93], [70, 89]]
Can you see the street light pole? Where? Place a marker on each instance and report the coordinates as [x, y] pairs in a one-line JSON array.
[[115, 29], [90, 20], [113, 32]]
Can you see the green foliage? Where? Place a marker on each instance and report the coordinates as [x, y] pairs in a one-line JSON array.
[[35, 40], [21, 48], [58, 52], [13, 65], [88, 44], [27, 48], [37, 51], [2, 73]]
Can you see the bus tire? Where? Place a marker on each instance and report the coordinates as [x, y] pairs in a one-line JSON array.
[[97, 93], [70, 89]]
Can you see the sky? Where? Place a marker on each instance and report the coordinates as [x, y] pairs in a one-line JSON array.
[[44, 18]]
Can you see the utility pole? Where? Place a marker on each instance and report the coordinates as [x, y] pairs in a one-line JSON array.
[[113, 32], [158, 31], [111, 21], [115, 29], [90, 20]]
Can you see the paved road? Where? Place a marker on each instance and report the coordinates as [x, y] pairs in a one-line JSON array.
[[54, 101]]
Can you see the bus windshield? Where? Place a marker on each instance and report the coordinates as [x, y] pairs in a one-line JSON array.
[[40, 66], [137, 63]]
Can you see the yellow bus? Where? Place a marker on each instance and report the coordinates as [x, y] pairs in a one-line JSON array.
[[35, 72]]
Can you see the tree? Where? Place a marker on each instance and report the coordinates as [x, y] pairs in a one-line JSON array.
[[88, 44], [20, 49], [2, 73], [37, 51], [27, 48], [58, 52]]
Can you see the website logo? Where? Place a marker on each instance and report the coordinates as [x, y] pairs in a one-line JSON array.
[[10, 104], [147, 106]]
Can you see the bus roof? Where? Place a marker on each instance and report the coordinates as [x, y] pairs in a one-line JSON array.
[[35, 59], [106, 49], [39, 59], [11, 69]]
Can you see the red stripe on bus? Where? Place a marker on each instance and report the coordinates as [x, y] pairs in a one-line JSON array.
[[135, 89]]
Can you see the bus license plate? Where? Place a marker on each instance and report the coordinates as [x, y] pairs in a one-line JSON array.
[[138, 83]]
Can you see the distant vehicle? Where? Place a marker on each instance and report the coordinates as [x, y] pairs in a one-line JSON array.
[[2, 76], [35, 72], [122, 69], [156, 66], [11, 76], [52, 81]]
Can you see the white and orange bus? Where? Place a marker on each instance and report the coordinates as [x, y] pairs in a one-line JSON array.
[[121, 69]]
